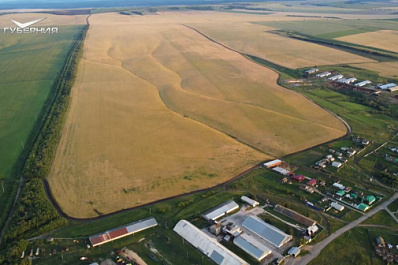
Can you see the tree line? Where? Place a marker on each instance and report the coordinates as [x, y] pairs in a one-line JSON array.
[[34, 214]]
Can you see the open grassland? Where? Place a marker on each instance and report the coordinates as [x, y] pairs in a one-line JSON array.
[[387, 69], [29, 65], [332, 28], [255, 39], [383, 39], [360, 250], [158, 110]]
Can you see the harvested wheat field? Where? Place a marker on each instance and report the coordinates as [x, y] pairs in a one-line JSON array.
[[387, 69], [257, 40], [382, 39], [159, 110]]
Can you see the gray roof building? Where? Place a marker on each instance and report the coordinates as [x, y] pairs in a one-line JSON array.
[[207, 245], [251, 246], [220, 210], [266, 231]]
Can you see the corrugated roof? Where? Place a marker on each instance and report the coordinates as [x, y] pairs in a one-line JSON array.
[[207, 245], [220, 210], [266, 231], [272, 163], [249, 201], [252, 246], [122, 231], [294, 215]]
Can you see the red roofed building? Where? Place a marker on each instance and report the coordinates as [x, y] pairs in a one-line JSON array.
[[117, 233], [312, 182], [298, 178]]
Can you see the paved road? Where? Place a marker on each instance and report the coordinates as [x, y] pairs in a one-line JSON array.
[[321, 245]]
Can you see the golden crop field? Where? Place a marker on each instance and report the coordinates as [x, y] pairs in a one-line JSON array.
[[387, 69], [258, 41], [158, 110], [382, 39]]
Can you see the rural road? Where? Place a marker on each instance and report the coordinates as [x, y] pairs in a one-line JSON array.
[[314, 252]]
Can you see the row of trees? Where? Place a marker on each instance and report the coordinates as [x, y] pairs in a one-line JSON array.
[[34, 214]]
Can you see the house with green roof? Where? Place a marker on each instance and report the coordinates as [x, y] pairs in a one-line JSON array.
[[370, 199], [340, 193], [354, 196], [363, 207]]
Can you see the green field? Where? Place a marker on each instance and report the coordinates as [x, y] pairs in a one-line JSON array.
[[25, 87], [360, 250], [335, 28], [382, 218]]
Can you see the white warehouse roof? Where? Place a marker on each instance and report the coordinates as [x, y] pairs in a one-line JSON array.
[[251, 246], [387, 86], [207, 245], [266, 231], [281, 171], [335, 77], [337, 206], [363, 83], [249, 201], [272, 163], [220, 210]]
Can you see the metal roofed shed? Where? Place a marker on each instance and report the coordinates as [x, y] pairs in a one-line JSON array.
[[335, 77], [251, 246], [282, 171], [294, 251], [337, 206], [120, 232], [340, 193], [249, 201], [207, 245], [220, 210], [311, 182], [363, 83], [337, 164], [338, 186], [324, 74], [294, 215], [273, 163], [311, 71], [266, 231], [387, 86]]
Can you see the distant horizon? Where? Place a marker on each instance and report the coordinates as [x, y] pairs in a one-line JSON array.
[[62, 4]]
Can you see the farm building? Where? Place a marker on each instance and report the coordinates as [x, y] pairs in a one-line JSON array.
[[312, 182], [340, 193], [387, 86], [335, 77], [370, 199], [220, 210], [312, 230], [363, 83], [298, 178], [266, 231], [282, 171], [294, 215], [252, 246], [249, 201], [120, 232], [294, 251], [207, 245], [363, 207], [312, 71], [324, 74], [337, 206], [273, 163], [337, 164], [347, 80], [232, 230], [380, 242], [338, 186]]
